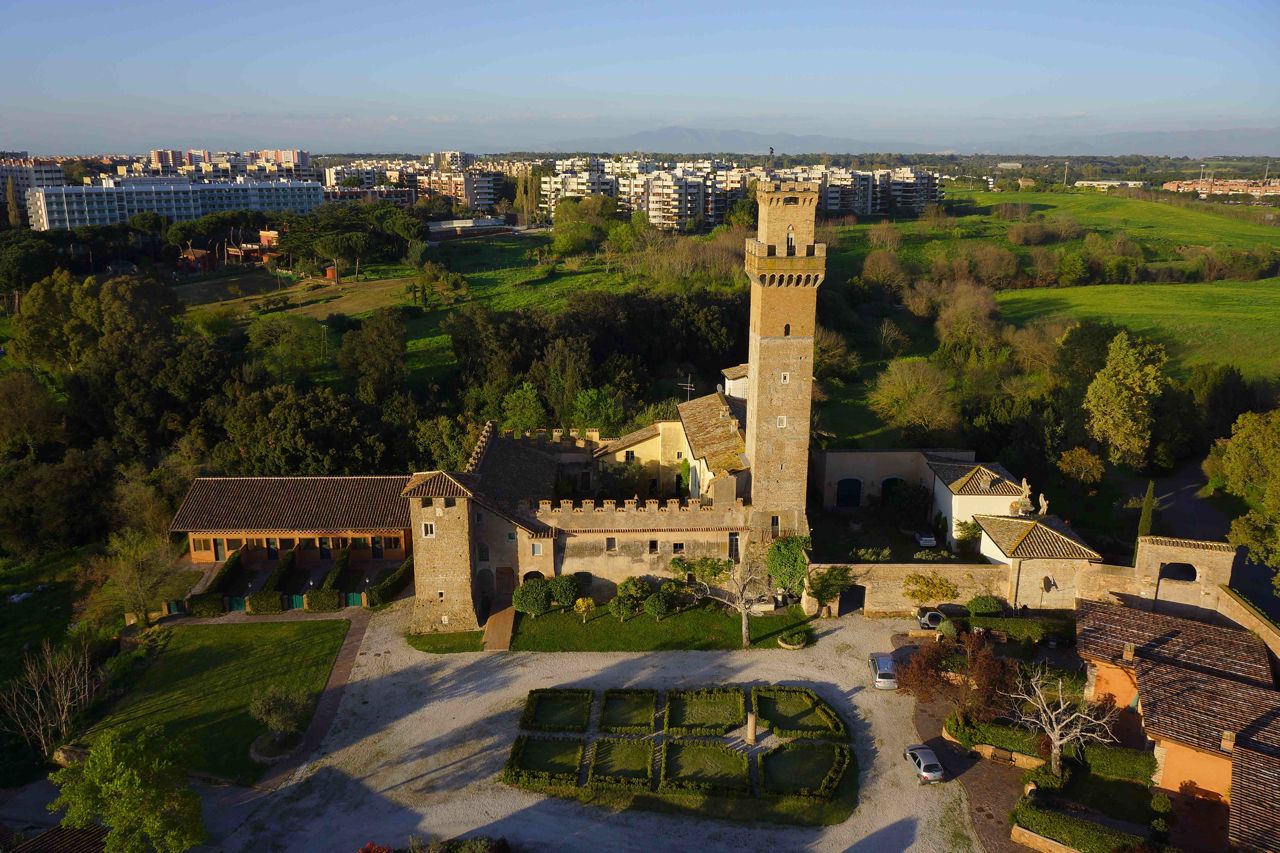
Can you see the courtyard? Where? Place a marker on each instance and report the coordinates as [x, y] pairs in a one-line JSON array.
[[420, 742]]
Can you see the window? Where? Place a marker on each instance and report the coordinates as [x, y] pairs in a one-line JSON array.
[[307, 543], [393, 543], [653, 546], [786, 379], [511, 536], [440, 595], [611, 543], [537, 549], [428, 530], [479, 518], [482, 552], [733, 546], [782, 421], [629, 456], [449, 502], [786, 330], [201, 545], [426, 502], [677, 548], [234, 544], [360, 543], [679, 454]]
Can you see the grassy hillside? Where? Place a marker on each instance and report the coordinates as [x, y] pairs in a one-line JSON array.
[[1224, 322]]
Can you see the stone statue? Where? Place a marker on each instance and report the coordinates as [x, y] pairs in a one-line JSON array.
[[1044, 504], [1023, 505]]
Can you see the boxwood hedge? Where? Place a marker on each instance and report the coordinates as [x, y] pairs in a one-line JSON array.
[[264, 602], [516, 774], [827, 789], [335, 571], [596, 778], [206, 605], [732, 694], [1013, 738], [528, 719], [1085, 836], [389, 587], [668, 783], [834, 727], [323, 600], [624, 729]]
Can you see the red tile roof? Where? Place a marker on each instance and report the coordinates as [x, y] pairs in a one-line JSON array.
[[267, 504], [91, 839], [1039, 537], [437, 484]]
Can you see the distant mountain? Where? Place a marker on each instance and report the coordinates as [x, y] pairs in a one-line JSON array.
[[687, 140], [1234, 142]]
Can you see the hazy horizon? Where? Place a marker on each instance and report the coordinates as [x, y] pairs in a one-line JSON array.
[[505, 76]]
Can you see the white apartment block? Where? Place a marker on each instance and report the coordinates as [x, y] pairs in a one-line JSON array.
[[28, 174], [474, 189], [575, 185], [452, 161], [368, 176], [115, 200], [676, 200]]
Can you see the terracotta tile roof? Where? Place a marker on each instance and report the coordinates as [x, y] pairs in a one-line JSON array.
[[1198, 544], [738, 371], [629, 440], [968, 478], [91, 839], [1040, 537], [436, 484], [1102, 630], [266, 504], [714, 432], [1254, 823]]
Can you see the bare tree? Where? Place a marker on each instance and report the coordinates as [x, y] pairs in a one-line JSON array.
[[41, 703], [741, 587], [1041, 702]]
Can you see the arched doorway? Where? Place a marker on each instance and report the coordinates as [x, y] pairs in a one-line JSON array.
[[529, 576], [849, 493], [889, 486], [1178, 572], [506, 582]]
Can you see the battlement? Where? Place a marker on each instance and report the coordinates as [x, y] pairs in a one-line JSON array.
[[764, 189], [590, 506], [562, 438], [635, 516]]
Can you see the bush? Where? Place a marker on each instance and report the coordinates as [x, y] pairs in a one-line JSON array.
[[1045, 779], [834, 726], [932, 555], [323, 600], [1085, 836], [667, 783], [261, 603], [658, 606], [1160, 803], [283, 712], [283, 567], [564, 589], [985, 605], [389, 587], [1117, 762], [229, 568], [206, 605], [622, 607], [339, 566], [635, 590], [515, 774], [733, 694], [598, 779], [532, 597], [948, 629], [575, 697], [1031, 629], [1012, 738], [795, 637], [872, 555]]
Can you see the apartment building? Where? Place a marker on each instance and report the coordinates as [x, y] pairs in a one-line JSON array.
[[166, 160], [575, 185], [28, 174], [1218, 186], [368, 176], [677, 200], [402, 196], [452, 161], [474, 189], [115, 200]]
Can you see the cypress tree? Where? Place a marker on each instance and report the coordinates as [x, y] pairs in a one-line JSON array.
[[1148, 510]]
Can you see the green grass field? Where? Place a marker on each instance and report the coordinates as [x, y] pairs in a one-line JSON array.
[[630, 758], [199, 685], [628, 711], [447, 643], [552, 755], [43, 616], [558, 711], [699, 628], [709, 762], [802, 767], [1225, 322], [687, 710]]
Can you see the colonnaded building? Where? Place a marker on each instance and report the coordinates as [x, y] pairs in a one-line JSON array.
[[741, 454]]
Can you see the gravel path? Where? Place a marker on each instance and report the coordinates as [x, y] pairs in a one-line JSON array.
[[419, 740]]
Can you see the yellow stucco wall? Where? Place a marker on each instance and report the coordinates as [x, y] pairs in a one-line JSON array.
[[1210, 773], [1115, 681]]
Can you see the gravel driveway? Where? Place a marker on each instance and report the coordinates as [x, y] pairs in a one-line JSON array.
[[419, 740]]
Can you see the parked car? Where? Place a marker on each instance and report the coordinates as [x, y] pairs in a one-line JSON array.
[[925, 540], [884, 672], [929, 618], [925, 762]]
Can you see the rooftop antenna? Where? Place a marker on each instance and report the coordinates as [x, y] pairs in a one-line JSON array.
[[687, 385]]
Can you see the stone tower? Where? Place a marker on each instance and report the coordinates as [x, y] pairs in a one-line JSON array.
[[785, 266]]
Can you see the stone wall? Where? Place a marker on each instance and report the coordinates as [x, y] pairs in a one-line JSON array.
[[651, 515], [1244, 614], [442, 567], [883, 583]]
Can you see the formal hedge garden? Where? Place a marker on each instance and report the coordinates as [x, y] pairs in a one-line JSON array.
[[693, 760], [1084, 835]]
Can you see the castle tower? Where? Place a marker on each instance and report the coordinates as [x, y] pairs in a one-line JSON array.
[[785, 266]]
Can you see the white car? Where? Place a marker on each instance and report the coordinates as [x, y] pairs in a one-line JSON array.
[[884, 673], [926, 540], [925, 761]]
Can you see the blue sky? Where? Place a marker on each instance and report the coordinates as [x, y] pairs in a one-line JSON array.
[[335, 76]]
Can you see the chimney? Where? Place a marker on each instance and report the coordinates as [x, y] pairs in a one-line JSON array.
[[1128, 651], [1228, 741]]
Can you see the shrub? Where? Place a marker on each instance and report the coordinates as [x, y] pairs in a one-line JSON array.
[[985, 605], [733, 694], [1160, 803], [323, 600], [948, 629], [635, 590], [229, 568], [575, 697], [515, 774], [583, 607], [932, 555], [339, 566], [872, 555], [261, 603], [1045, 779], [532, 597], [795, 637], [389, 587], [932, 588], [1032, 629], [206, 605], [1117, 762], [668, 783], [283, 712], [621, 693], [597, 779], [1004, 736], [658, 606], [283, 567], [1084, 835], [621, 607], [564, 589]]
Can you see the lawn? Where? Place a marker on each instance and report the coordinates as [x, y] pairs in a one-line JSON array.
[[628, 711], [704, 763], [447, 643], [199, 685], [796, 712], [716, 711], [1223, 322], [557, 710], [552, 755], [622, 759], [697, 628], [801, 767], [1117, 798]]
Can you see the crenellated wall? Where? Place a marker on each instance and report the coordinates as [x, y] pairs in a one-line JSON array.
[[632, 515]]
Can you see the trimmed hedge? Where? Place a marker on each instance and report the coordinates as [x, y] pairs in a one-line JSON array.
[[389, 587], [528, 719], [740, 718], [835, 726], [824, 791], [1032, 629], [335, 571], [261, 603], [1118, 762], [985, 605], [323, 600], [206, 605], [219, 581], [595, 779], [515, 774], [666, 783], [651, 695], [1085, 836], [283, 567], [1012, 738]]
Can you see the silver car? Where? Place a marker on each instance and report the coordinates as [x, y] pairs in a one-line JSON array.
[[925, 762], [884, 672]]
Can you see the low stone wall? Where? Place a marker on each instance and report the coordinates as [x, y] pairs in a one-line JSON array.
[[883, 582], [1027, 838], [995, 753], [1244, 614]]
